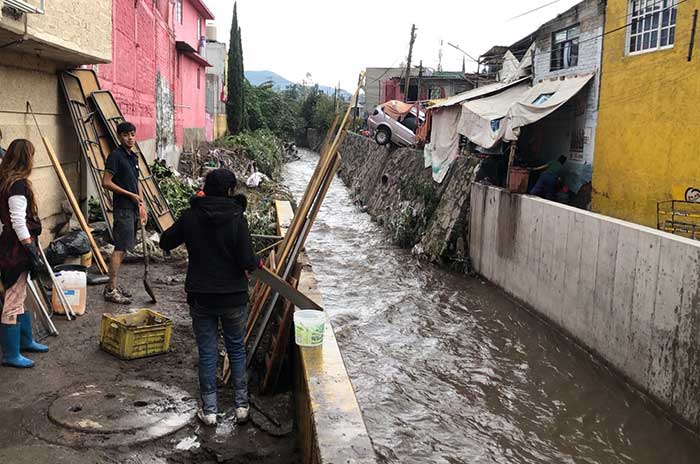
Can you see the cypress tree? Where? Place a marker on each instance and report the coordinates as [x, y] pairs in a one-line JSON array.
[[235, 104]]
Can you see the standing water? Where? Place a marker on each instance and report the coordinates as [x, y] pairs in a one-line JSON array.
[[447, 370]]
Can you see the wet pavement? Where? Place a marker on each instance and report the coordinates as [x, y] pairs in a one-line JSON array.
[[81, 405], [448, 370]]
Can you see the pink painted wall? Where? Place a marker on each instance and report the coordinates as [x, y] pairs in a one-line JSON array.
[[144, 45], [187, 31], [192, 93]]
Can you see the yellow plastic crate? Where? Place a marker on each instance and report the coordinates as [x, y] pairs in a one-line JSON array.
[[138, 335]]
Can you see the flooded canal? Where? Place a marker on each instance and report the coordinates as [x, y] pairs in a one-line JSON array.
[[447, 370]]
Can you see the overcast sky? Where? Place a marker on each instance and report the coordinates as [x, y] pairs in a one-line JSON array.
[[335, 40]]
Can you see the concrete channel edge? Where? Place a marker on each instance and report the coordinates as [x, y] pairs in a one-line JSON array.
[[331, 427]]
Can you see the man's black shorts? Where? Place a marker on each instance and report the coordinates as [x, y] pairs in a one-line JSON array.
[[124, 229]]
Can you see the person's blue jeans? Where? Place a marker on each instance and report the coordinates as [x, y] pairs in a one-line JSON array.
[[206, 327], [546, 186]]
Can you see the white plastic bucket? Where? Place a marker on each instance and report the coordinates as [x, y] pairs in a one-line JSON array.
[[309, 326], [74, 284]]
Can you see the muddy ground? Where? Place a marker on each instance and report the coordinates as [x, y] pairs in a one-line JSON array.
[[75, 361]]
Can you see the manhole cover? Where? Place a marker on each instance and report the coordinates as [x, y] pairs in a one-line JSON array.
[[115, 414]]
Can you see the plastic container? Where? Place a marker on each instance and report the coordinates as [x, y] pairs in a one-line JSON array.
[[73, 280], [138, 335], [309, 326]]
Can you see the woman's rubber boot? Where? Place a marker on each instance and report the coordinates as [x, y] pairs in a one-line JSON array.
[[26, 340], [10, 335]]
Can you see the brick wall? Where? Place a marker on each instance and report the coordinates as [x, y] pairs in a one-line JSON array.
[[143, 48]]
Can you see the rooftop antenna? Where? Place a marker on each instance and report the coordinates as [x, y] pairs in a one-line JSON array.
[[440, 57]]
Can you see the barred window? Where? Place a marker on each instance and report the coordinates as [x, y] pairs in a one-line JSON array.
[[565, 48], [653, 25]]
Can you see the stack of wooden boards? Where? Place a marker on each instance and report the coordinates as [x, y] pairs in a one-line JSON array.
[[96, 115], [284, 260]]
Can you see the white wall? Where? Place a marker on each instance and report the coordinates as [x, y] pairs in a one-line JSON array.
[[627, 292]]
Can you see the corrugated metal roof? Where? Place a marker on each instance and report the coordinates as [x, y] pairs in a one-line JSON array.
[[476, 93]]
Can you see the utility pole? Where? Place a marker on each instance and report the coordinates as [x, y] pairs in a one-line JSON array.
[[440, 57], [420, 77], [408, 64]]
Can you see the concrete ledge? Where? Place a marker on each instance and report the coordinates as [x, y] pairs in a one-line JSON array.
[[331, 426]]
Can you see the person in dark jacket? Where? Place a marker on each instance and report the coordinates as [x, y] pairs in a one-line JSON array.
[[215, 232], [19, 253]]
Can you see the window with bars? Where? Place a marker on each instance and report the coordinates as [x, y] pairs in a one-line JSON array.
[[565, 48], [653, 25]]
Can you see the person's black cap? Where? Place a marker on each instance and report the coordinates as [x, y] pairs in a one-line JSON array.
[[219, 182], [125, 127]]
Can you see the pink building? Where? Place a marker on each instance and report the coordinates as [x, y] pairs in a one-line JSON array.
[[157, 72]]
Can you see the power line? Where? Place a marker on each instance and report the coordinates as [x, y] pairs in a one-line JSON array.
[[534, 9], [590, 39], [573, 12]]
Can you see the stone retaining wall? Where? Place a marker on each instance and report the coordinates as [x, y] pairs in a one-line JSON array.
[[399, 193]]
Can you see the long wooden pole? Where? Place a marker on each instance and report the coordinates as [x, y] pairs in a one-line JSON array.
[[101, 265]]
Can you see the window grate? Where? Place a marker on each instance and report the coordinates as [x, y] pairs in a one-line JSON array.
[[22, 6], [653, 25]]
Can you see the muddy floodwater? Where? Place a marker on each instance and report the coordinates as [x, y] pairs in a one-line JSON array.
[[448, 370]]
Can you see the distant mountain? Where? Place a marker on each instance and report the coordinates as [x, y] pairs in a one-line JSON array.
[[280, 83], [259, 77]]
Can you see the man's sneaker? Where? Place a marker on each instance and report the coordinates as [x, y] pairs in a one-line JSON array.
[[242, 414], [124, 291], [207, 418], [115, 296]]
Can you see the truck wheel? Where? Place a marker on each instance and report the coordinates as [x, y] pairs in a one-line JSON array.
[[383, 136]]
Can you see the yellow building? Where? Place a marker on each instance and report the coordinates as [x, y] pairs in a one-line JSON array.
[[38, 38], [647, 136]]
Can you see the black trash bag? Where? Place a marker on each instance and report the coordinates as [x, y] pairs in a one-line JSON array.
[[74, 244]]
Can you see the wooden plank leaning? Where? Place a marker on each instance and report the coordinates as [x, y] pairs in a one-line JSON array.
[[101, 265]]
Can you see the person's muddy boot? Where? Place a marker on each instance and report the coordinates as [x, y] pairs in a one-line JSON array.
[[124, 291], [207, 413], [10, 335], [115, 296], [242, 414], [26, 339]]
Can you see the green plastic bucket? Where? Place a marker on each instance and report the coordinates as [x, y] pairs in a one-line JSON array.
[[309, 326]]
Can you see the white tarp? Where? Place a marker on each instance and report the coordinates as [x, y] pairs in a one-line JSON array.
[[541, 100], [444, 142], [484, 121], [476, 93], [489, 120]]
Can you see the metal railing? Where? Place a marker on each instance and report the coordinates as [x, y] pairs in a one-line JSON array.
[[679, 217]]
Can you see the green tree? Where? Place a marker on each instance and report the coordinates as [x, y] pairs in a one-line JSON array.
[[235, 105]]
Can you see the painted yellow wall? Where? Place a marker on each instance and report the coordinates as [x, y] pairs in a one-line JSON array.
[[647, 136]]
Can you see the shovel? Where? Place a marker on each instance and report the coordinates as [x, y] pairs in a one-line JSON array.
[[146, 253]]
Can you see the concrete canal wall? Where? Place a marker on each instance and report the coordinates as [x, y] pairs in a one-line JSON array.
[[629, 293]]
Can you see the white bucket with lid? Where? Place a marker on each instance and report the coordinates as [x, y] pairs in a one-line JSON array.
[[309, 326]]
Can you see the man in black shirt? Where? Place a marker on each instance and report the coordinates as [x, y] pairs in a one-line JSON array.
[[122, 179]]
